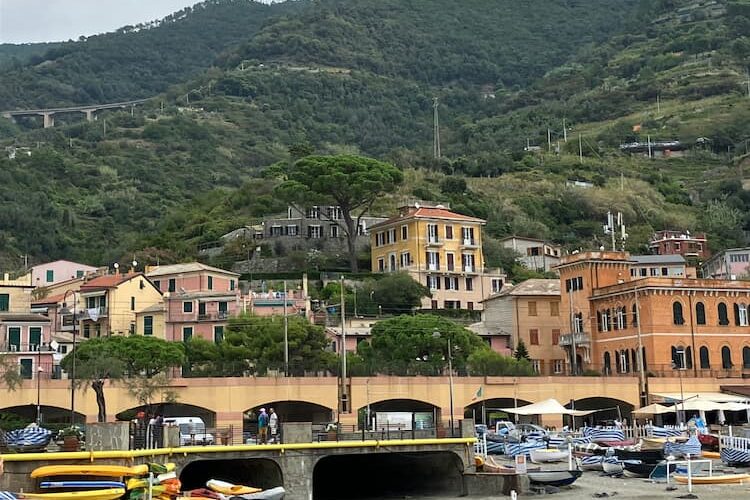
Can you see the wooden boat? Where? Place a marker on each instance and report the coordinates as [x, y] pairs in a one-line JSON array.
[[270, 494], [636, 468], [106, 494], [652, 443], [720, 479], [590, 462], [645, 456], [612, 468], [89, 470], [548, 455], [554, 477], [709, 441], [710, 454]]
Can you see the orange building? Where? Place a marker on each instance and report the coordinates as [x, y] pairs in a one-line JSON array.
[[700, 327]]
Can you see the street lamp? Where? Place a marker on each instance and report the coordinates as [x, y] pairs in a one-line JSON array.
[[64, 311], [679, 369], [436, 334]]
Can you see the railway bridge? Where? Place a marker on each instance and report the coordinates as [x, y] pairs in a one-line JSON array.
[[48, 114]]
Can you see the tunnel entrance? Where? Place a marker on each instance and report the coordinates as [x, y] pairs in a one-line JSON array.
[[258, 472], [387, 475]]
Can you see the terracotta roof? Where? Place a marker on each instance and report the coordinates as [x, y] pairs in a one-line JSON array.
[[188, 267], [108, 281], [52, 299], [430, 213]]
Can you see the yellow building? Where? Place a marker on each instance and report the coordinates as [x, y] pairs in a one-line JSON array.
[[15, 294], [109, 303], [440, 249], [152, 321]]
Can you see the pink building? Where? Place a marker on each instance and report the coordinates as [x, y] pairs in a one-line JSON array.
[[26, 340], [199, 299], [52, 273]]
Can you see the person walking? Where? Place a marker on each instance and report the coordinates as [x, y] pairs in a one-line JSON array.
[[262, 427], [273, 425]]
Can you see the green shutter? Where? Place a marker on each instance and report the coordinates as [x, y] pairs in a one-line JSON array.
[[231, 284], [35, 336], [79, 274], [187, 307], [14, 338], [26, 368], [50, 275], [4, 302], [148, 325], [201, 309], [187, 333], [171, 285], [210, 283], [223, 307], [218, 334]]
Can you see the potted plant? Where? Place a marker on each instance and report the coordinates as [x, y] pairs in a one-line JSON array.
[[71, 438], [331, 430]]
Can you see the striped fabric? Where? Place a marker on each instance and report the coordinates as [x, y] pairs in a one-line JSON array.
[[514, 449], [495, 448], [733, 456], [8, 495], [604, 433], [592, 460], [690, 447], [28, 437], [663, 432]]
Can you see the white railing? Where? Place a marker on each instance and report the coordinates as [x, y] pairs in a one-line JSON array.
[[480, 446], [734, 442]]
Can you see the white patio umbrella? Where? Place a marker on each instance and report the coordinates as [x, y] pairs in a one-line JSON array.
[[547, 407], [654, 409]]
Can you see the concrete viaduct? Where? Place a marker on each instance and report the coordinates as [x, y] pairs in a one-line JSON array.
[[48, 115], [225, 401]]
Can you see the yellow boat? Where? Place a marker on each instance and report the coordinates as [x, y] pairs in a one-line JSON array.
[[108, 494], [720, 479], [89, 470], [710, 454], [230, 489]]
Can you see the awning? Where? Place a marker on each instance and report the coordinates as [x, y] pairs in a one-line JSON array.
[[735, 406], [653, 409], [548, 407], [717, 397], [699, 405]]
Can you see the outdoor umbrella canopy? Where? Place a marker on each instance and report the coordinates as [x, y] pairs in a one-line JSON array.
[[700, 405], [547, 407], [653, 409], [735, 406]]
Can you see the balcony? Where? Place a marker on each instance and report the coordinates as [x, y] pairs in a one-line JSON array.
[[85, 314], [469, 270], [434, 242], [23, 348], [216, 316], [469, 243], [580, 339]]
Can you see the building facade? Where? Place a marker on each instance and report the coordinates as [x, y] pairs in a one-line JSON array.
[[52, 273], [535, 254], [680, 243], [530, 312], [440, 249], [730, 264], [665, 266], [697, 326]]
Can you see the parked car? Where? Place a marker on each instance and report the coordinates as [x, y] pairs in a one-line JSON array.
[[192, 430]]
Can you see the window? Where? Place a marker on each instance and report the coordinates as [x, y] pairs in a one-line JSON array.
[[705, 360], [679, 361], [404, 233], [14, 338], [314, 232], [700, 313], [452, 304], [497, 285], [148, 325], [50, 275], [4, 302], [405, 260], [202, 310], [224, 307], [157, 284], [677, 317], [468, 235], [554, 309], [450, 261], [26, 368], [187, 333], [555, 336], [292, 230], [740, 314], [86, 330], [624, 361], [35, 338], [633, 273], [467, 260], [132, 303], [664, 271], [578, 323], [391, 236], [557, 366], [622, 318], [469, 284], [171, 285], [635, 315], [381, 264], [574, 284], [726, 358], [232, 285], [451, 283], [433, 261], [654, 271], [723, 318], [448, 232], [379, 239], [392, 262], [604, 321], [79, 273], [276, 231], [535, 364], [312, 213], [532, 308], [210, 283], [746, 357], [432, 233], [433, 282], [470, 306], [218, 334], [187, 307], [607, 363]]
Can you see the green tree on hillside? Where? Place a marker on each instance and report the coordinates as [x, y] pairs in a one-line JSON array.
[[399, 293], [350, 182], [521, 351]]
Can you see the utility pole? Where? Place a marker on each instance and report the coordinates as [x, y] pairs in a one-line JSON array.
[[658, 103], [580, 149], [105, 127], [344, 388], [436, 129], [549, 140], [650, 152], [573, 331], [565, 131], [286, 335]]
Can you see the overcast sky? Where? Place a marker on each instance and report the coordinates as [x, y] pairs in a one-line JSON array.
[[24, 21]]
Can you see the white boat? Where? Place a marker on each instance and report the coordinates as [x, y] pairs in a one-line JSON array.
[[548, 455], [271, 494], [554, 477], [612, 467]]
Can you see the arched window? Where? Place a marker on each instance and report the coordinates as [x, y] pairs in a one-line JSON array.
[[742, 314], [723, 317], [624, 362], [635, 315], [677, 313], [705, 360], [619, 318], [624, 316], [643, 357], [726, 358], [678, 357], [746, 357], [633, 361], [689, 357], [607, 363], [605, 320], [578, 323], [618, 362], [599, 320], [700, 313]]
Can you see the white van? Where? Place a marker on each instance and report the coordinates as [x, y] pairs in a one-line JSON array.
[[192, 430]]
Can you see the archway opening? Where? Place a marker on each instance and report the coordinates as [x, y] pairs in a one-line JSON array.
[[400, 415], [258, 472], [388, 475], [490, 411], [54, 416], [608, 410], [168, 410], [287, 411]]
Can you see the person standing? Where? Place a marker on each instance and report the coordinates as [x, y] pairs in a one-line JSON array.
[[262, 427], [273, 425]]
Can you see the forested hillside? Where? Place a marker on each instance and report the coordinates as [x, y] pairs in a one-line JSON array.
[[136, 61], [359, 76]]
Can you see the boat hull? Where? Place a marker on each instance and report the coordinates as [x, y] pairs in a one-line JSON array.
[[543, 456], [612, 467], [721, 479], [733, 456], [554, 477]]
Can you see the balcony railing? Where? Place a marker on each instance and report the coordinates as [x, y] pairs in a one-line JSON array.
[[580, 339], [214, 316], [469, 243], [434, 242], [23, 347], [84, 314]]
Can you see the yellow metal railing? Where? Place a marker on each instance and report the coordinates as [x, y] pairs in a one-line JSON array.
[[186, 450]]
